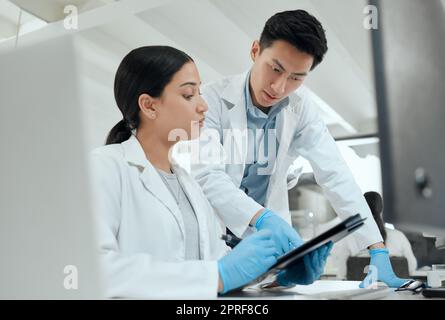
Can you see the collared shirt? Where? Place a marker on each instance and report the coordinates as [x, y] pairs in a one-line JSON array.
[[262, 146]]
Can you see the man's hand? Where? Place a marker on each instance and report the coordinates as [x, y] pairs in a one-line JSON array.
[[284, 236], [307, 271], [380, 269]]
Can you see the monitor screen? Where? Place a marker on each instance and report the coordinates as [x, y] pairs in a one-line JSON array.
[[409, 67]]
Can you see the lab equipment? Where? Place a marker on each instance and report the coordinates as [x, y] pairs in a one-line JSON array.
[[416, 286], [436, 276], [231, 239]]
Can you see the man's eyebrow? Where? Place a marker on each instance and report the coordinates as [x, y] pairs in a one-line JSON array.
[[189, 84], [293, 73]]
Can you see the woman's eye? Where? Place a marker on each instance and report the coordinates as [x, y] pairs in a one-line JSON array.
[[188, 97], [276, 69]]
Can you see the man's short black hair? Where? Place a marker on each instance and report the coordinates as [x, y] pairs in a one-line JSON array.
[[298, 28]]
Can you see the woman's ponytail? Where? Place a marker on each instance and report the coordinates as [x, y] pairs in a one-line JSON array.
[[119, 133]]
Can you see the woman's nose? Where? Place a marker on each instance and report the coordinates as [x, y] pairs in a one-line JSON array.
[[202, 105]]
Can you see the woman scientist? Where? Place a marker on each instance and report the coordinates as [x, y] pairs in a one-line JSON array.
[[158, 235]]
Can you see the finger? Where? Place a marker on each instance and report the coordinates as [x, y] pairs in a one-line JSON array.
[[264, 234], [323, 253], [270, 261], [328, 251], [294, 238], [309, 272], [315, 261], [331, 245], [266, 243], [283, 243], [269, 252]]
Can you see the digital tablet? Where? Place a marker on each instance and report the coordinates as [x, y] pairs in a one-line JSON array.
[[292, 257]]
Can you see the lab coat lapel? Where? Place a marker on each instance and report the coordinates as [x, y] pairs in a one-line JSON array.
[[286, 124], [196, 201], [151, 179], [234, 99]]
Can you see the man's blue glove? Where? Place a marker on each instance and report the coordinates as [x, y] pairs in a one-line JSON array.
[[307, 271], [381, 264], [253, 256], [285, 237]]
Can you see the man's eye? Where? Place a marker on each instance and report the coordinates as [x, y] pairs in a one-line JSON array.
[[276, 69], [296, 78], [188, 97]]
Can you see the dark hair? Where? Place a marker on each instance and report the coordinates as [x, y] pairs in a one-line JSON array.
[[144, 70], [300, 29], [375, 203]]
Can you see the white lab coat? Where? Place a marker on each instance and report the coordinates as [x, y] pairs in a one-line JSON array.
[[301, 132], [141, 230]]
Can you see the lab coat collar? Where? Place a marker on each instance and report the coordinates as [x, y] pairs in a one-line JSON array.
[[135, 155], [235, 90]]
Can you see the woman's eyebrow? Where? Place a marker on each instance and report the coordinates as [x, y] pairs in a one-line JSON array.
[[190, 84]]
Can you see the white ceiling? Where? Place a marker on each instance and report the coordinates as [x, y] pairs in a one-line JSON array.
[[216, 33]]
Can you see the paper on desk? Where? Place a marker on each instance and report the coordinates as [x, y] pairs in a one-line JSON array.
[[323, 286], [331, 289]]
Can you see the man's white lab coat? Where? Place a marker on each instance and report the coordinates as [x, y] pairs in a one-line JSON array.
[[300, 132]]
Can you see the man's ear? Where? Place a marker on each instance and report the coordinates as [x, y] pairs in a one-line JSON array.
[[255, 50], [147, 106]]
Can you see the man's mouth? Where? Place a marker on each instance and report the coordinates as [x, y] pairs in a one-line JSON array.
[[270, 96]]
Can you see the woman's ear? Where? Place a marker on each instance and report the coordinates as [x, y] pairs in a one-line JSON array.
[[147, 106]]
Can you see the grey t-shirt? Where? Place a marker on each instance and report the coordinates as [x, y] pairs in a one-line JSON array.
[[188, 215]]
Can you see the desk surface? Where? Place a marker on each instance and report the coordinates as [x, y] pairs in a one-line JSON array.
[[326, 289]]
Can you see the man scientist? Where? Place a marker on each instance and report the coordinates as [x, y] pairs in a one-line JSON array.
[[280, 123]]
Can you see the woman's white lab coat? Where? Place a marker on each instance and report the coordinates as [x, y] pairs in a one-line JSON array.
[[142, 233]]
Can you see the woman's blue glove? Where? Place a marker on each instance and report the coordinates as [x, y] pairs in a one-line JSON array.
[[307, 271], [253, 256], [285, 237], [381, 265]]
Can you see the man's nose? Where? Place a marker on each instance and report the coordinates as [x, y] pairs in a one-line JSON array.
[[279, 85]]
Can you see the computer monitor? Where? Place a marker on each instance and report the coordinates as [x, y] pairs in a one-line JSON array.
[[409, 65], [47, 242]]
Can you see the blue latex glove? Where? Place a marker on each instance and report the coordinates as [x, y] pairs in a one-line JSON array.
[[308, 270], [382, 265], [285, 237], [253, 256]]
